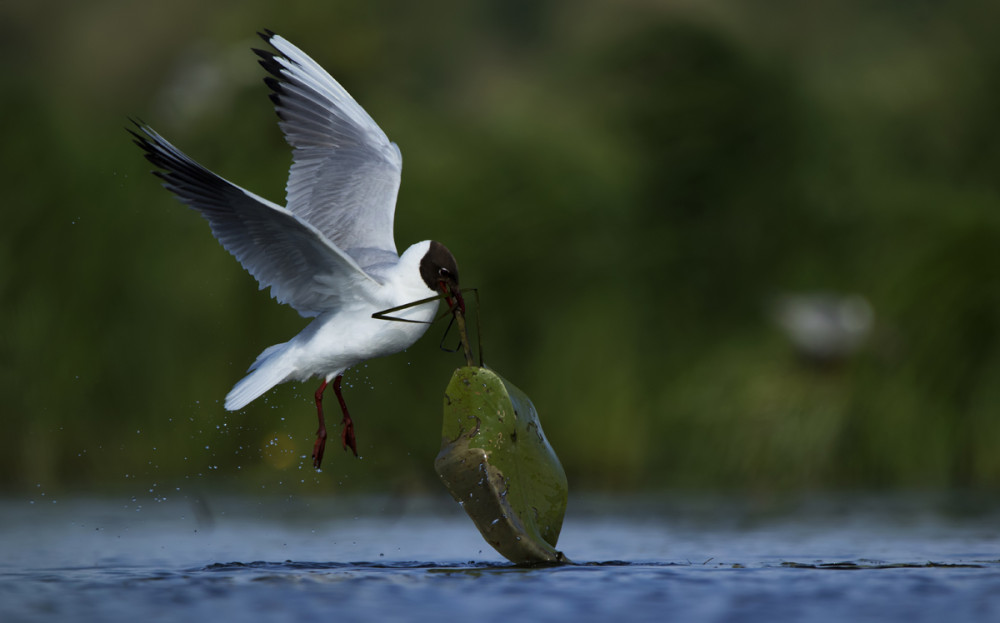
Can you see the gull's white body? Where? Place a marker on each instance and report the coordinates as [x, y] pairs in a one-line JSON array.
[[330, 253], [343, 338]]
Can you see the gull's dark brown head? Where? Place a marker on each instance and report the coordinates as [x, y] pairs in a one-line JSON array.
[[440, 272]]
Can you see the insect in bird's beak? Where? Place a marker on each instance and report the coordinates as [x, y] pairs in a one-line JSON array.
[[456, 307]]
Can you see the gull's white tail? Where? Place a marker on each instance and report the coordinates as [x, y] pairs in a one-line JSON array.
[[268, 370]]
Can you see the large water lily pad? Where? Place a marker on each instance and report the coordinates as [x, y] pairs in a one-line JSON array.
[[498, 465]]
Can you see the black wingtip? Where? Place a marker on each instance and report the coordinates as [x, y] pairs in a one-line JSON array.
[[266, 34], [265, 58], [137, 122], [139, 134], [273, 83], [269, 61]]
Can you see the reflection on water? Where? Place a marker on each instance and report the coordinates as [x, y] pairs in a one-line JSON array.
[[386, 559]]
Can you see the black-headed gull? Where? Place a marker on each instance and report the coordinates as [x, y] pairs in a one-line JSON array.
[[330, 252]]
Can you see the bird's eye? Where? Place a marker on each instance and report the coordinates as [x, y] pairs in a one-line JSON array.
[[444, 272]]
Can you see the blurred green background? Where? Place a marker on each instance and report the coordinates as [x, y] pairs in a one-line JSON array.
[[641, 190]]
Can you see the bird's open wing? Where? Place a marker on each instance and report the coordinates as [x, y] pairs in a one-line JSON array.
[[345, 172], [281, 250]]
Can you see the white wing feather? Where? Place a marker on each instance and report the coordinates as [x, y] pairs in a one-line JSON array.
[[282, 251], [345, 173]]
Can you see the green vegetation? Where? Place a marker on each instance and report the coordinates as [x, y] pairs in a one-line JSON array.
[[630, 185], [496, 463]]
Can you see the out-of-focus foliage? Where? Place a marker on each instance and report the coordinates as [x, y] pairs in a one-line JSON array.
[[631, 185]]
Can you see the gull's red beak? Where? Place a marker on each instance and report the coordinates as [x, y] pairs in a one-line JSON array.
[[449, 293]]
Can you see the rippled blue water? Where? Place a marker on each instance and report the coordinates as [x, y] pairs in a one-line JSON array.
[[849, 559]]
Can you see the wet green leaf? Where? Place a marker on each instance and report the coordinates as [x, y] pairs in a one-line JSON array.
[[498, 465]]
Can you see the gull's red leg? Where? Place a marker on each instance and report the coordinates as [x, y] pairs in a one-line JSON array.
[[347, 434], [321, 432]]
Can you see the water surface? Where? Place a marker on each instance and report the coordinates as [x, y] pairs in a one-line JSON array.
[[231, 558]]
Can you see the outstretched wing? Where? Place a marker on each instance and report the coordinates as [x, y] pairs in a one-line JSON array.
[[345, 172], [282, 251]]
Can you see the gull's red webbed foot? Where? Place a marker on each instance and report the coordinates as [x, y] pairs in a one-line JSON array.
[[320, 444], [347, 434]]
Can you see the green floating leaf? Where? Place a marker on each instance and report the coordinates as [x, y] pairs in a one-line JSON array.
[[498, 465]]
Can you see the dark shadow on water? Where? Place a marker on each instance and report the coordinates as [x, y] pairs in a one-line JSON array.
[[875, 564], [289, 566]]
